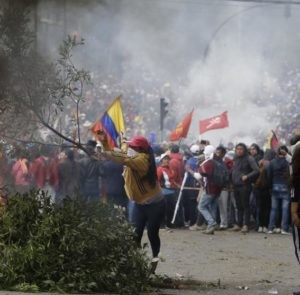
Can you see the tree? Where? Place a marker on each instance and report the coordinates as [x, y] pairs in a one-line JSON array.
[[33, 91]]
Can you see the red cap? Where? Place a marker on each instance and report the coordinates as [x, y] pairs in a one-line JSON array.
[[139, 142]]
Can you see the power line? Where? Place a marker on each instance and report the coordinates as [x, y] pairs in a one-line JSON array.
[[196, 2], [291, 2], [222, 2]]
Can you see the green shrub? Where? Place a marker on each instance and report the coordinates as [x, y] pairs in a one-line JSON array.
[[74, 247]]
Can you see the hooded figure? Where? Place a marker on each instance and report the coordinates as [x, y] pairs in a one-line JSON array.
[[209, 152], [245, 169], [256, 152]]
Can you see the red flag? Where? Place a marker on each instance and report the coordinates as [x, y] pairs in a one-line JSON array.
[[182, 128], [216, 122]]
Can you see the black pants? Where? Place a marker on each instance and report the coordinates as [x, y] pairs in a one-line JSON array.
[[263, 203], [296, 235], [170, 200], [151, 215], [242, 198], [189, 202]]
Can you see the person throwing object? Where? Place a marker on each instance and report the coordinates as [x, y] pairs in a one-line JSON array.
[[142, 186]]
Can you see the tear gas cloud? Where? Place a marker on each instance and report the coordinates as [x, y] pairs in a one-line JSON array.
[[250, 46]]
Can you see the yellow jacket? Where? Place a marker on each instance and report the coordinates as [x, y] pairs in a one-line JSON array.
[[136, 167]]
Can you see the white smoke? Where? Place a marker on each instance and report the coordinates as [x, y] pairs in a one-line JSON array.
[[164, 42]]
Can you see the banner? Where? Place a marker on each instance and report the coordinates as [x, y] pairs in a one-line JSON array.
[[217, 122], [182, 129]]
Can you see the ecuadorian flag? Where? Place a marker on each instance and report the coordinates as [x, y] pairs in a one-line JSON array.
[[272, 141], [111, 123]]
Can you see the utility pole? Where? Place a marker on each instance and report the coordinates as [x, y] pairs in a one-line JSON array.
[[163, 114]]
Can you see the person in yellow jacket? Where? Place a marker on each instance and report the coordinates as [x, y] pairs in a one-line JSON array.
[[142, 186]]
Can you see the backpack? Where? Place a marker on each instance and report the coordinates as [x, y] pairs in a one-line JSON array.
[[263, 181], [221, 174]]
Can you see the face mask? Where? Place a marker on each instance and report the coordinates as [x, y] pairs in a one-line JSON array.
[[131, 152]]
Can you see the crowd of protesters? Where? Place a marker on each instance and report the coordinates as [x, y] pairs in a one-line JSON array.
[[255, 192], [236, 189], [198, 187]]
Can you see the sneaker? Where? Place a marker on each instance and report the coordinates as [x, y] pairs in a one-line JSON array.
[[260, 229], [235, 228], [270, 232], [265, 230], [154, 263], [244, 229], [203, 227], [277, 230], [283, 232], [209, 231], [186, 224], [223, 227], [194, 227]]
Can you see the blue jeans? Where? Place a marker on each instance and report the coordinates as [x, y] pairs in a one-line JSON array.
[[278, 196], [130, 206], [208, 208]]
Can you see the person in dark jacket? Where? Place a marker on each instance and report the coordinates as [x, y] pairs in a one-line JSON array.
[[189, 196], [115, 191], [91, 171], [245, 171], [224, 198], [256, 152], [295, 149], [68, 171], [68, 178], [262, 188], [279, 175]]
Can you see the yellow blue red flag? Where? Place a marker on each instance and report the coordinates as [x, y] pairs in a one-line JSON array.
[[272, 141], [111, 123]]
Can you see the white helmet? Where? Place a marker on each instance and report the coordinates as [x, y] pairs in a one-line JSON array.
[[195, 149]]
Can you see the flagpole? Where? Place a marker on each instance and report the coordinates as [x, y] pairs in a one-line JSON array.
[[180, 141], [179, 197]]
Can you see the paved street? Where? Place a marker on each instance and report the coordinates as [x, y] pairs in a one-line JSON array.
[[244, 264]]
